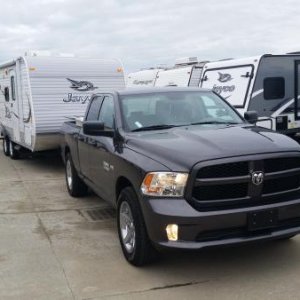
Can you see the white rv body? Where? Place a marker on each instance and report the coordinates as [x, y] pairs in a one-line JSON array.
[[174, 77], [229, 79], [268, 84], [142, 78], [44, 92], [186, 72]]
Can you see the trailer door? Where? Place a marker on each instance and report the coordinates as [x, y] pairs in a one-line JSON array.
[[14, 105], [232, 83], [297, 90]]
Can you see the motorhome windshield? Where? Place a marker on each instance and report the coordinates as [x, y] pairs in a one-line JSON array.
[[169, 109]]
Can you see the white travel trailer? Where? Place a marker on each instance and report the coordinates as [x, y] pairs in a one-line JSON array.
[[38, 94], [268, 84], [142, 78], [186, 72]]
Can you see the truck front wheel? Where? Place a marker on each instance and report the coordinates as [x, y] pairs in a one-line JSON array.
[[133, 235], [76, 187]]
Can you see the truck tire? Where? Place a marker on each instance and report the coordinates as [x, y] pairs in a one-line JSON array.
[[135, 243], [13, 152], [6, 146], [76, 187]]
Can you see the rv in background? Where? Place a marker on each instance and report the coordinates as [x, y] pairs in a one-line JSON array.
[[38, 94], [142, 78], [268, 84], [186, 72]]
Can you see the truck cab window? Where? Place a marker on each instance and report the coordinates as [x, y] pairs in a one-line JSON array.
[[274, 88], [107, 112], [13, 87], [94, 109]]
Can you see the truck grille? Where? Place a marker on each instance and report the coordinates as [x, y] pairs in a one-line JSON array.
[[231, 184]]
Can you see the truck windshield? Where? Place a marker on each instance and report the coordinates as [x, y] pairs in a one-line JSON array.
[[152, 111]]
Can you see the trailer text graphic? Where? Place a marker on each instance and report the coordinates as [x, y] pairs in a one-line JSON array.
[[71, 98]]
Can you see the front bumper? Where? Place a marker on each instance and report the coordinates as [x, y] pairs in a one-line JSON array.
[[201, 229]]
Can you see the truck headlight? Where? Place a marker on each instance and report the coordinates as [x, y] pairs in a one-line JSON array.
[[165, 184]]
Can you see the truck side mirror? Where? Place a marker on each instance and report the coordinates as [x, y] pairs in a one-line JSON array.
[[92, 127], [96, 128], [251, 116]]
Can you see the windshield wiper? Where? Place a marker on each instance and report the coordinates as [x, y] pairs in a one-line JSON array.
[[214, 122], [154, 127]]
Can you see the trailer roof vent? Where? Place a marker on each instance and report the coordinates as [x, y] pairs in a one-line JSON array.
[[186, 61]]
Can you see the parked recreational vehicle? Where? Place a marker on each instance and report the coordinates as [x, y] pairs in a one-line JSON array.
[[142, 78], [186, 72], [268, 84], [38, 94]]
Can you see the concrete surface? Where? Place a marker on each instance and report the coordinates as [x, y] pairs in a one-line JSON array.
[[50, 249]]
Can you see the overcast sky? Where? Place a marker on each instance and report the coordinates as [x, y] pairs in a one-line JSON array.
[[149, 33]]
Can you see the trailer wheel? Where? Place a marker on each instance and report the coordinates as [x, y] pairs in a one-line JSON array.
[[76, 187], [13, 152], [135, 243], [6, 146]]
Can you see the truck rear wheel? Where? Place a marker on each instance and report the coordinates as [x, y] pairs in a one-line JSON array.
[[13, 152], [76, 187], [6, 146], [135, 243]]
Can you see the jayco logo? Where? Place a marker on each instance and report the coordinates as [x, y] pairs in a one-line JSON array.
[[82, 86], [142, 82], [224, 77], [71, 98]]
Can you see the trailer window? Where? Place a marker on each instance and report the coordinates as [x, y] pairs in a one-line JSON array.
[[94, 109], [13, 87], [274, 88], [6, 94]]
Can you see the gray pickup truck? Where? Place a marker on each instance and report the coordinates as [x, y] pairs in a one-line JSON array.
[[184, 170]]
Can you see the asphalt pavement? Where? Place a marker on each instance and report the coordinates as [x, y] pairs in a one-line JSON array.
[[56, 247]]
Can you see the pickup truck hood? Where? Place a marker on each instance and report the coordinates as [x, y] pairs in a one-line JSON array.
[[180, 148]]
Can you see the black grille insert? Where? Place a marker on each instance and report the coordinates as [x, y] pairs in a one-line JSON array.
[[224, 170], [281, 184], [221, 192], [281, 164]]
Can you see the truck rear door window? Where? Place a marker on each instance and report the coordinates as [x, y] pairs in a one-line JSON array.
[[106, 115], [274, 88], [94, 109]]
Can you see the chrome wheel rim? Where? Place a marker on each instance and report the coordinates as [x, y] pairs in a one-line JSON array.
[[69, 174], [127, 228]]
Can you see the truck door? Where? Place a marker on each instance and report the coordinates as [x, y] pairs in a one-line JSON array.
[[85, 142], [297, 90], [14, 105], [101, 158]]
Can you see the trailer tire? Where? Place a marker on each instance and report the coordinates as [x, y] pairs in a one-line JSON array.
[[76, 187], [136, 245], [13, 152], [6, 146]]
